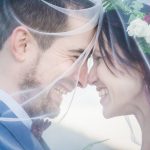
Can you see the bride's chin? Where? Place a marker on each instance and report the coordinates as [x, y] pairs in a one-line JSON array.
[[106, 115]]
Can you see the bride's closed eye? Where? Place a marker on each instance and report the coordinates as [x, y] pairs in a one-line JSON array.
[[97, 58]]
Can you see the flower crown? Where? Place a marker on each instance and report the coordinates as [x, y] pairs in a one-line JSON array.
[[138, 23]]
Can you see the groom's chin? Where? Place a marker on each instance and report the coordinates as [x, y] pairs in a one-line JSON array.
[[54, 114]]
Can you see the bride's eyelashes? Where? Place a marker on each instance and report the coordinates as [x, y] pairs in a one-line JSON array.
[[98, 59]]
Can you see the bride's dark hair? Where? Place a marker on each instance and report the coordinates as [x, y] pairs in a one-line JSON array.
[[114, 42]]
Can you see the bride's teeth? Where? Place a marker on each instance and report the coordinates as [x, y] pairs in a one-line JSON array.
[[103, 92], [64, 92], [57, 90]]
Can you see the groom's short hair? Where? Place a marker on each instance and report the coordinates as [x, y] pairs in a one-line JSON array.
[[37, 15]]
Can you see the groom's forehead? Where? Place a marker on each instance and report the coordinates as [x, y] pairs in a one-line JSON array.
[[74, 43]]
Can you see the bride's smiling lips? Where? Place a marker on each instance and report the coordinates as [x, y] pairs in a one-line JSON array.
[[103, 94]]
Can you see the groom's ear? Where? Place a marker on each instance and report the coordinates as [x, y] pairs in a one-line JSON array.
[[19, 41]]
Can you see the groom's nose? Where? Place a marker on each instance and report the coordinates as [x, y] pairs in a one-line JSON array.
[[92, 76], [83, 75]]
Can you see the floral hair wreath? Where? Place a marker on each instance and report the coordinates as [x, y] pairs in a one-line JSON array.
[[138, 23]]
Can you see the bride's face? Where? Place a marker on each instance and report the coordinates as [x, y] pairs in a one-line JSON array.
[[118, 93]]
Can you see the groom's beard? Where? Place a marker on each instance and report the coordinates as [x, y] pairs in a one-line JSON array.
[[34, 99]]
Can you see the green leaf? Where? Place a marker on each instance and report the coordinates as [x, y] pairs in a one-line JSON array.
[[132, 17], [144, 45], [108, 5], [112, 4], [136, 14], [136, 5]]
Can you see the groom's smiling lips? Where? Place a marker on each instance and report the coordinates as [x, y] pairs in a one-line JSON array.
[[59, 91], [56, 98]]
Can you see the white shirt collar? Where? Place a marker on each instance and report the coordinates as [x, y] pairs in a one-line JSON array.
[[15, 108]]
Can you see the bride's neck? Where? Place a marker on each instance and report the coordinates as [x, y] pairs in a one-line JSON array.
[[146, 137], [143, 117]]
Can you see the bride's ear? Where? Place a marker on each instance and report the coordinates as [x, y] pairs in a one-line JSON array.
[[19, 40]]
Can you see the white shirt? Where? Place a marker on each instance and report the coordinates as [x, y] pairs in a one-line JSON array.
[[15, 108]]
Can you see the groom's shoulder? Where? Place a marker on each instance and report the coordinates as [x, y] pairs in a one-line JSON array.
[[7, 140]]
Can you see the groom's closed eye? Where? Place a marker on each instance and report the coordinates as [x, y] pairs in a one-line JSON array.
[[76, 53]]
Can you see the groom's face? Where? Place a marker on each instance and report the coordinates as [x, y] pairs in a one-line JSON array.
[[50, 65]]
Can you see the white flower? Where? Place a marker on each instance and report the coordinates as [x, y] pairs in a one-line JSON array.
[[137, 28], [147, 37]]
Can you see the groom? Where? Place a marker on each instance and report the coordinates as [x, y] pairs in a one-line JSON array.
[[28, 59]]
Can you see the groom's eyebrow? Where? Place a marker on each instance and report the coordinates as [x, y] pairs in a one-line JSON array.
[[80, 51], [76, 52]]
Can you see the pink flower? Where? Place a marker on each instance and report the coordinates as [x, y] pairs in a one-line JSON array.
[[147, 18]]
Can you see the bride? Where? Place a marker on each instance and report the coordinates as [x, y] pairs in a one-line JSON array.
[[121, 70]]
